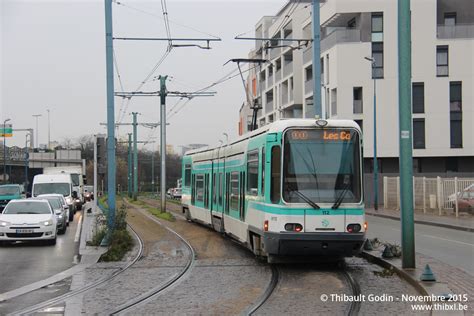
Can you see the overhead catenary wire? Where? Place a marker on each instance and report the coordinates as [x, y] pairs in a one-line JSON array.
[[161, 18], [167, 24]]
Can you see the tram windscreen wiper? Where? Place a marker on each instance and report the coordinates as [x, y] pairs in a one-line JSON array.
[[304, 197], [341, 196]]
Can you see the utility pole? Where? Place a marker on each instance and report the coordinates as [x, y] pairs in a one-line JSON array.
[[316, 61], [36, 116], [135, 157], [5, 151], [163, 94], [27, 156], [49, 131], [405, 138], [130, 170], [111, 167]]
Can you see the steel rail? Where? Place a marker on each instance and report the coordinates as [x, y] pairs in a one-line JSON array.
[[354, 307], [268, 291], [151, 294], [85, 288]]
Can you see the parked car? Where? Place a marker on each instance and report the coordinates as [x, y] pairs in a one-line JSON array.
[[26, 220], [62, 199], [88, 192], [466, 200], [10, 192], [59, 210], [176, 193]]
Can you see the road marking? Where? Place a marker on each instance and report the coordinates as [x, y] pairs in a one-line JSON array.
[[78, 230], [459, 242]]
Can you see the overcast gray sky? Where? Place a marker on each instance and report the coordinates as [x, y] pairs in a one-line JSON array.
[[53, 56]]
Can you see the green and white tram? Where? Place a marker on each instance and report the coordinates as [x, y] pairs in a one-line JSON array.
[[290, 188]]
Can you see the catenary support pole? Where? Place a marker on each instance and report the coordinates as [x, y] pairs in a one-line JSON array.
[[130, 168], [163, 141], [96, 196], [316, 63], [405, 138], [135, 156], [376, 164], [111, 176]]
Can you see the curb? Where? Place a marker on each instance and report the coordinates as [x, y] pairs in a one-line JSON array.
[[401, 273], [461, 228]]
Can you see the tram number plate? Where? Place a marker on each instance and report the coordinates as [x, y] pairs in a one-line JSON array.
[[325, 212], [24, 231]]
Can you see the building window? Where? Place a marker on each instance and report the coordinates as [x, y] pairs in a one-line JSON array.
[[361, 124], [419, 133], [418, 97], [351, 24], [333, 102], [327, 69], [309, 73], [450, 18], [455, 109], [357, 101], [377, 27], [377, 55], [442, 69]]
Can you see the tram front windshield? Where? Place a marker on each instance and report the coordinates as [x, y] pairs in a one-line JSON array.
[[321, 165]]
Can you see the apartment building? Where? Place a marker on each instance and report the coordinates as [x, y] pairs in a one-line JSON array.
[[353, 31]]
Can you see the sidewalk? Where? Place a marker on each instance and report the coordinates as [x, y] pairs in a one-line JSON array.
[[464, 222]]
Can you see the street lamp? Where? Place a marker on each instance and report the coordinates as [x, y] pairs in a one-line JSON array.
[[5, 151], [37, 139], [376, 167], [49, 131], [27, 156]]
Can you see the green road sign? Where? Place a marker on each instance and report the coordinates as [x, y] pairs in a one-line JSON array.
[[6, 131]]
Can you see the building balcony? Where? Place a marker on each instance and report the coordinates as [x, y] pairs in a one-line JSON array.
[[340, 36], [357, 107], [287, 69], [269, 106], [455, 31], [278, 75], [274, 52], [308, 86], [308, 54], [270, 81]]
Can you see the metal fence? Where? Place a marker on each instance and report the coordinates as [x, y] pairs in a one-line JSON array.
[[428, 193]]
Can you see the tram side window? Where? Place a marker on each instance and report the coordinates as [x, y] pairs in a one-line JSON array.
[[193, 191], [199, 188], [221, 185], [275, 174], [187, 175], [234, 191], [263, 172], [206, 191], [214, 189], [252, 173]]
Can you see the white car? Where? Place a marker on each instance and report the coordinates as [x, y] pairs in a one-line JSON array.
[[70, 213], [25, 220]]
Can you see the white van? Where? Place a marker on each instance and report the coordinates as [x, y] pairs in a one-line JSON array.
[[58, 184], [77, 176]]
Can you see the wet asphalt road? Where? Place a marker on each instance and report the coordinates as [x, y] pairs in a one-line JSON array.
[[450, 246], [27, 262]]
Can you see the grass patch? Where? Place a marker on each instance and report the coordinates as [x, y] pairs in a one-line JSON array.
[[153, 210], [120, 240]]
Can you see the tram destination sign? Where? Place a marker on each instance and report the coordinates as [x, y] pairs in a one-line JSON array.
[[327, 135]]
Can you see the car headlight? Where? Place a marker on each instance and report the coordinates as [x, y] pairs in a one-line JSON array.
[[48, 222], [4, 224], [59, 216]]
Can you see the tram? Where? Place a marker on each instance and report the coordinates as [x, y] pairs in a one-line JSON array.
[[291, 188]]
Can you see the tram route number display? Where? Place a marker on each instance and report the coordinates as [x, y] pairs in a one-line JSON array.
[[322, 135]]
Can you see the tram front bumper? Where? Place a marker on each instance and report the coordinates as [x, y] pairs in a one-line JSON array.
[[313, 244]]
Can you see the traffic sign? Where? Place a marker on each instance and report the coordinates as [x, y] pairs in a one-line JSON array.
[[6, 130]]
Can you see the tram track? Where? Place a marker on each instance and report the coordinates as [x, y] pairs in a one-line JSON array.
[[154, 292], [62, 298], [354, 306]]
